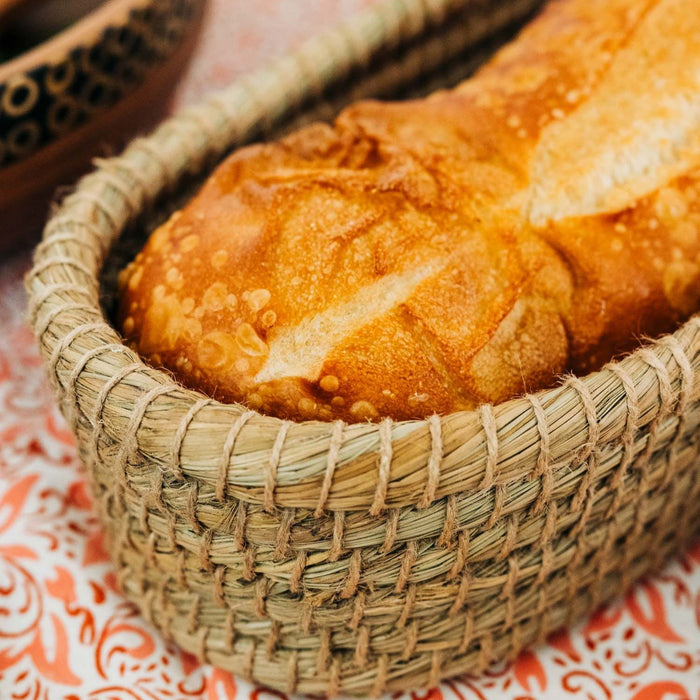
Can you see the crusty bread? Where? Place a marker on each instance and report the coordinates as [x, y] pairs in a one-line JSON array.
[[430, 255]]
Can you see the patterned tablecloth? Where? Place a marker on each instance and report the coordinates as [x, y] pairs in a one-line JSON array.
[[66, 633]]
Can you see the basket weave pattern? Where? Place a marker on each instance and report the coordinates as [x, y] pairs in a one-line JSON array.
[[333, 558]]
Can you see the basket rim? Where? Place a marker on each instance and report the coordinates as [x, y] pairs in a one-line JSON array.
[[320, 466]]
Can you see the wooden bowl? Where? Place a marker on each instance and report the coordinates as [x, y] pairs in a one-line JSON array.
[[82, 93]]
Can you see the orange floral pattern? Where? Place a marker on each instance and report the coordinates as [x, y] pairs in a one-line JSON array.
[[66, 633]]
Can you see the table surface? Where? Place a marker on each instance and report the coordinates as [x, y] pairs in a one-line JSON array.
[[66, 633]]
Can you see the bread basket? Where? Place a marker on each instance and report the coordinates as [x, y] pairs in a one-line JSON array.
[[354, 559]]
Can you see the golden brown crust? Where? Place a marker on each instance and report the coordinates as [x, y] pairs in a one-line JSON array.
[[430, 255]]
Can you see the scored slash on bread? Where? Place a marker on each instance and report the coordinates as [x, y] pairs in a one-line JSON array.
[[638, 130], [427, 256], [301, 350]]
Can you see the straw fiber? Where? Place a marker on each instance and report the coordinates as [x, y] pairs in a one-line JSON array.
[[354, 559]]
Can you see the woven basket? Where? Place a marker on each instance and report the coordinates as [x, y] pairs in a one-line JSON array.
[[354, 559]]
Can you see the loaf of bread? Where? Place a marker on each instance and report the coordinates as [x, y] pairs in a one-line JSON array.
[[430, 255]]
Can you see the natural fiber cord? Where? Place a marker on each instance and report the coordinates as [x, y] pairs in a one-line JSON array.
[[354, 559]]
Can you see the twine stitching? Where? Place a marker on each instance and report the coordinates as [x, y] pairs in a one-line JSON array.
[[40, 298], [448, 530], [70, 223], [57, 264], [132, 195], [64, 344], [544, 468], [130, 444], [628, 438], [101, 400], [337, 545], [179, 437], [334, 446], [391, 530], [488, 422], [144, 145], [147, 191], [54, 313], [229, 444], [272, 465], [385, 455], [82, 363], [100, 205], [434, 461]]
